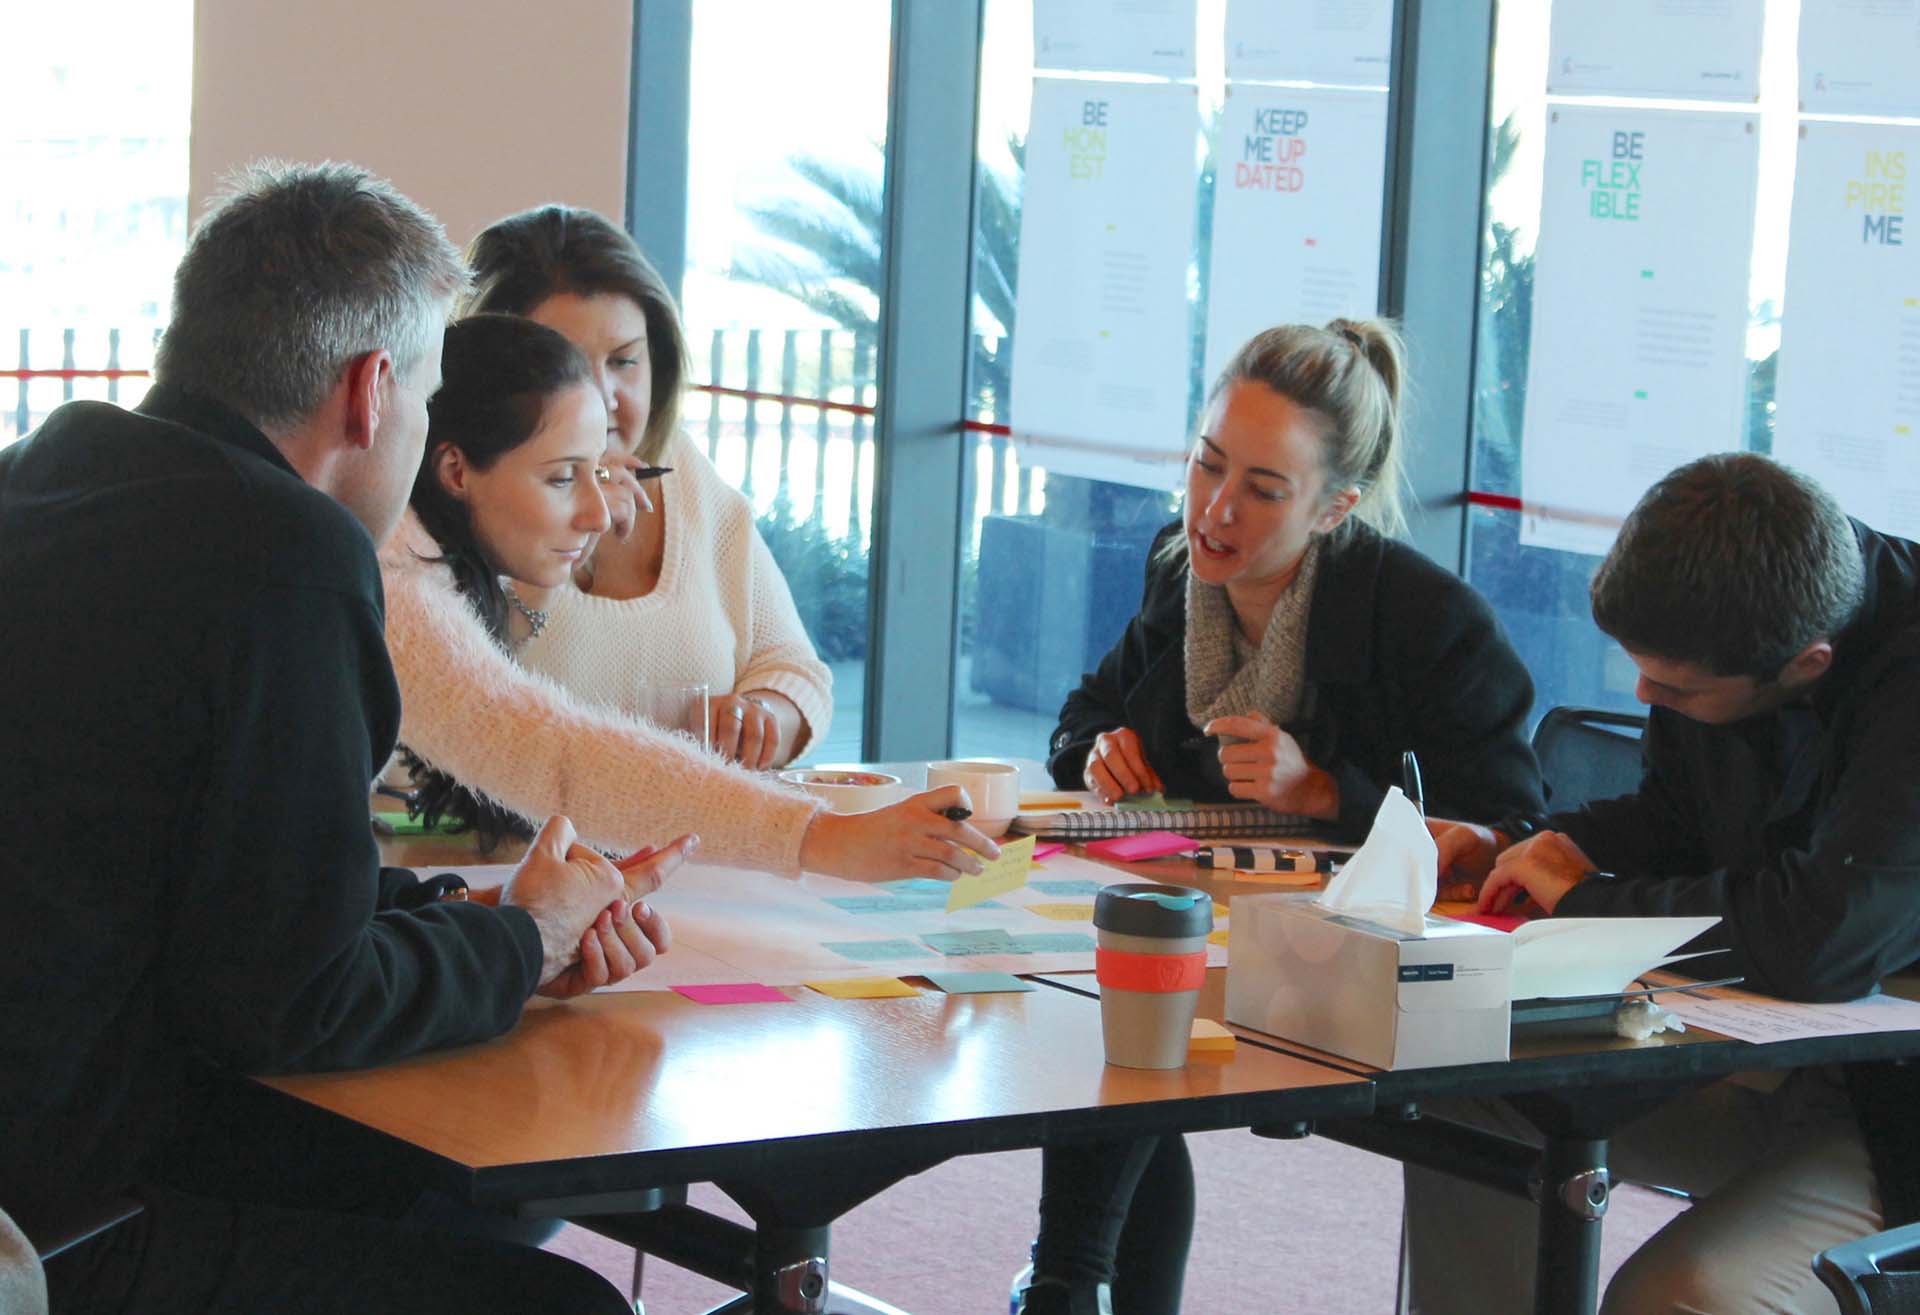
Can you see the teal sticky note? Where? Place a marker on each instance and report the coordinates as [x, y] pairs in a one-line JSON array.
[[1053, 942], [913, 885], [912, 902], [987, 941], [976, 983], [879, 951], [1060, 888]]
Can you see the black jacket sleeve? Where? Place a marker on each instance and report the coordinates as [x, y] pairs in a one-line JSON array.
[[280, 956], [1099, 703], [1823, 921]]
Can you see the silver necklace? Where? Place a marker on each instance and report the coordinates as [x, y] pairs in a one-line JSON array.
[[536, 617]]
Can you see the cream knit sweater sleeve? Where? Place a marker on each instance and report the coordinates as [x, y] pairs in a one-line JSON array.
[[469, 710]]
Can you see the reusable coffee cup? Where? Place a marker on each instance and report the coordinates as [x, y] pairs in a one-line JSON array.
[[1151, 962]]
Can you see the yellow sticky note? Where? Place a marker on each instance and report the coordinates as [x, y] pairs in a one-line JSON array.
[[1047, 803], [1063, 912], [1210, 1036], [863, 988], [1218, 936], [1220, 910], [1008, 872]]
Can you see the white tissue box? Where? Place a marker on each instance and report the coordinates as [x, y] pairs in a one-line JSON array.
[[1365, 991]]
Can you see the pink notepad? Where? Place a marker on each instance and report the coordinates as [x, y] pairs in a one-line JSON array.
[[1148, 844], [733, 993], [1497, 921], [1046, 849]]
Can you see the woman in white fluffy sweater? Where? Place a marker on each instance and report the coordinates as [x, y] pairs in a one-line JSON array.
[[503, 495]]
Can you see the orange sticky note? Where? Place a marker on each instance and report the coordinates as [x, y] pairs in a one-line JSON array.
[[1209, 1036]]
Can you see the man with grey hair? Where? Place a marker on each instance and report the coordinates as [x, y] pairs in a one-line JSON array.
[[1778, 646], [198, 697]]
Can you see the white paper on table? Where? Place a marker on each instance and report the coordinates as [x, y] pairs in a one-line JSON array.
[[1746, 1016], [1859, 56], [1100, 370], [1699, 51], [1555, 957], [732, 925], [1848, 388], [1116, 36], [1391, 878], [1297, 187], [1638, 358], [1345, 42]]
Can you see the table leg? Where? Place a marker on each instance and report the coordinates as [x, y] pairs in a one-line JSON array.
[[1574, 1188]]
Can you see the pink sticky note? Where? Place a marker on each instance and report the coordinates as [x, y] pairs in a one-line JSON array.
[[1148, 844], [1497, 921], [1047, 850], [733, 993]]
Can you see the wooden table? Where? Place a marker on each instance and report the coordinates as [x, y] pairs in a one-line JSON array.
[[798, 1111]]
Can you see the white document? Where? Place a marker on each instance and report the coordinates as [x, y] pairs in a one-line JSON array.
[[1693, 49], [1115, 36], [730, 925], [1298, 183], [1555, 957], [1745, 1016], [1348, 43], [1101, 336], [1638, 357], [1847, 395], [1860, 57]]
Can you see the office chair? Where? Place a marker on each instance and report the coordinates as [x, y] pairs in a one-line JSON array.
[[1877, 1275], [1587, 754]]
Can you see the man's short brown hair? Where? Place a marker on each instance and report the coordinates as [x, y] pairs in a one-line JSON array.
[[1733, 563]]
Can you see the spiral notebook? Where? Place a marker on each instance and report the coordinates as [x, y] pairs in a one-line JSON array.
[[1206, 820]]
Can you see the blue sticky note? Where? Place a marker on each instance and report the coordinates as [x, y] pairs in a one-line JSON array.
[[976, 983], [988, 941], [913, 884], [879, 951], [1053, 942], [912, 902], [1057, 888]]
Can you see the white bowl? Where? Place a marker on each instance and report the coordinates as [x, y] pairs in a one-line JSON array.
[[847, 789]]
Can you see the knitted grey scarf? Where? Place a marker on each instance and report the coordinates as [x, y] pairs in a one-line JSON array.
[[1272, 681]]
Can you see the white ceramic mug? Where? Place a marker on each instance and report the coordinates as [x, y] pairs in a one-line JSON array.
[[994, 788]]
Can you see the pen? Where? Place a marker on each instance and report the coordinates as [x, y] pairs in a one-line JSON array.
[[956, 813], [1410, 781], [652, 472], [1267, 858]]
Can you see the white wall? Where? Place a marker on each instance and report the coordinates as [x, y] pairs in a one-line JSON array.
[[474, 108]]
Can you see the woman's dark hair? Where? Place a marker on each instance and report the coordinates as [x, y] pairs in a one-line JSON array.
[[498, 374], [526, 258]]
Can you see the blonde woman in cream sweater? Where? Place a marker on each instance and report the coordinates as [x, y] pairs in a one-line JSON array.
[[685, 590], [502, 495]]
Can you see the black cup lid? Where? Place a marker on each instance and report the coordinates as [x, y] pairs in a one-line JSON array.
[[1138, 909]]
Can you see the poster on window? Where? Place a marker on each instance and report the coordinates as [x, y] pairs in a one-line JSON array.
[[1347, 43], [1638, 355], [1860, 57], [1101, 331], [1297, 189], [1115, 36], [1691, 49], [1847, 395]]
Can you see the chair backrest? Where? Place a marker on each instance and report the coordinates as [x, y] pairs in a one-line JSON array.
[[1874, 1275], [1587, 754]]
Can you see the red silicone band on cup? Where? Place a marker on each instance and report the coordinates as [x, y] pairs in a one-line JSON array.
[[1127, 971]]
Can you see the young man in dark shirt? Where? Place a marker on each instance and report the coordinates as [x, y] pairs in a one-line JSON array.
[[198, 697], [1778, 646]]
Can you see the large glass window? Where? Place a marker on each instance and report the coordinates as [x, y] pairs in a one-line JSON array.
[[93, 144], [1052, 564], [1541, 593], [787, 143]]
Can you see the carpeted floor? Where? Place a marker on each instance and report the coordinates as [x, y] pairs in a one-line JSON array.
[[1308, 1226]]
